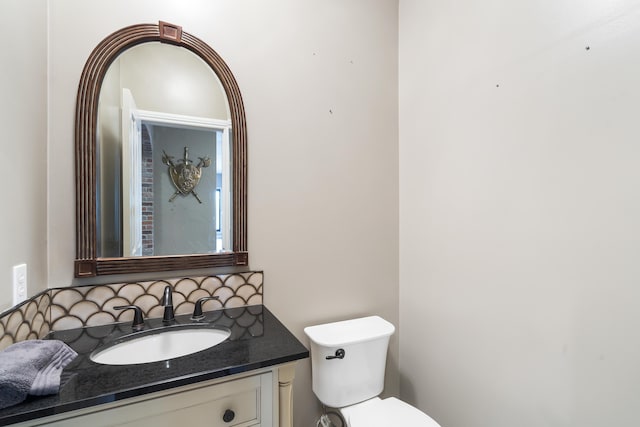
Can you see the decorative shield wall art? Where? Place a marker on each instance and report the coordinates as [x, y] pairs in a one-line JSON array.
[[185, 176]]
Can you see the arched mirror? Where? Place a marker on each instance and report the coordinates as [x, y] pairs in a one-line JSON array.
[[160, 156]]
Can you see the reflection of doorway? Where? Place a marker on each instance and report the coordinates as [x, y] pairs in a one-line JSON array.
[[131, 177], [151, 224], [182, 223], [218, 215]]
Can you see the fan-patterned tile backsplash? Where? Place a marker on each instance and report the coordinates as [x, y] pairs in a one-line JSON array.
[[80, 306], [26, 321]]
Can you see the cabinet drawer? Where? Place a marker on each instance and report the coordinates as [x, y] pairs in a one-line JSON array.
[[244, 407], [245, 400]]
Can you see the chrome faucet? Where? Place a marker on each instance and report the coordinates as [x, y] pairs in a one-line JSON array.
[[167, 302]]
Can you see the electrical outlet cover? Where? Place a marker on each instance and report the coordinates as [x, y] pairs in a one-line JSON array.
[[19, 283]]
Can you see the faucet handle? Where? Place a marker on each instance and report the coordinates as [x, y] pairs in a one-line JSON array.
[[197, 310], [138, 321]]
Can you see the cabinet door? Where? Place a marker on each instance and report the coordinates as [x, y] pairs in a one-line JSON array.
[[246, 402]]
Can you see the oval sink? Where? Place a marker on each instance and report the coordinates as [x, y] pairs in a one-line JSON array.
[[155, 346]]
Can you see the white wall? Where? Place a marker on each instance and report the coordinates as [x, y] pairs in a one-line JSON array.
[[519, 211], [23, 148], [319, 82], [170, 79], [518, 176]]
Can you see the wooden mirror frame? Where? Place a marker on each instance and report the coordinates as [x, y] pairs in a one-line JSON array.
[[87, 264]]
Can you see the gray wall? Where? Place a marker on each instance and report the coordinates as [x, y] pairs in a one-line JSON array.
[[519, 204], [183, 226]]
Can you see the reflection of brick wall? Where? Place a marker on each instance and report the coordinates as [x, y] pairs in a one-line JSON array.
[[147, 193]]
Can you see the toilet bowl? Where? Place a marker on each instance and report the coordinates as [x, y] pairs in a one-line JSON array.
[[378, 412], [347, 371]]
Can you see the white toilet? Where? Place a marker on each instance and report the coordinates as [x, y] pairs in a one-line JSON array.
[[347, 367]]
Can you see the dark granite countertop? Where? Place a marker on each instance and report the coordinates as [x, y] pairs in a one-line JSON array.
[[258, 340]]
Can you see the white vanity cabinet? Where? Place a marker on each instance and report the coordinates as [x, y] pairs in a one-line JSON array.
[[257, 398]]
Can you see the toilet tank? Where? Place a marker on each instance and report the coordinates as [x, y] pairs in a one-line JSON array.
[[359, 375]]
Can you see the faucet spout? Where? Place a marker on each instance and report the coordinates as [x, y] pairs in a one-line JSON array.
[[167, 302]]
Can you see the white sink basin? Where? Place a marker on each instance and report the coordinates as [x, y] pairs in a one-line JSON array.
[[166, 344]]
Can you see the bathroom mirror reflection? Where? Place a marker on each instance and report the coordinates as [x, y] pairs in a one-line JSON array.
[[161, 169], [162, 104]]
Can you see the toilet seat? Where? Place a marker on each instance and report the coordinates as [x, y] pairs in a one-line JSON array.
[[378, 412]]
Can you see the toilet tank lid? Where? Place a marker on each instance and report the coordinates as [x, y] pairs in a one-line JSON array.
[[349, 331]]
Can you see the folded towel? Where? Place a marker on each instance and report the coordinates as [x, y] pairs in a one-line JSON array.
[[32, 367]]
